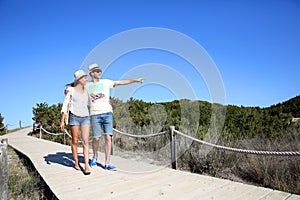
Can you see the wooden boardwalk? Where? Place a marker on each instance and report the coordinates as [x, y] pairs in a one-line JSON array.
[[54, 163]]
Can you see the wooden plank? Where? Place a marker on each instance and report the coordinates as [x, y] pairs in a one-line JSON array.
[[294, 197], [133, 180], [277, 195]]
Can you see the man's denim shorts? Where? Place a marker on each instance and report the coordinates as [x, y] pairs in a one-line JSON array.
[[78, 121], [100, 121]]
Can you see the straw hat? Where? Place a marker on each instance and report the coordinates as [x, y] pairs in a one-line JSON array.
[[79, 74], [93, 67]]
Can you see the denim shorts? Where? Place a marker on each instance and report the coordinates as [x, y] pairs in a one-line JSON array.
[[100, 121], [78, 121]]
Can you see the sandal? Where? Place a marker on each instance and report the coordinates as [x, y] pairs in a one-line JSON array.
[[87, 172], [77, 167]]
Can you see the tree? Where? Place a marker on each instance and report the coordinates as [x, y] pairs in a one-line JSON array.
[[48, 116], [2, 126]]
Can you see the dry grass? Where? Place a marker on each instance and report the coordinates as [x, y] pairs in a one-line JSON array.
[[275, 172], [23, 182]]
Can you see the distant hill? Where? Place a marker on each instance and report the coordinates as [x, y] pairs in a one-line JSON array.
[[273, 121], [291, 106]]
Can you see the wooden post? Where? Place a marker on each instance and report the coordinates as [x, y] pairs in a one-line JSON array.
[[20, 123], [41, 132], [3, 170], [173, 148]]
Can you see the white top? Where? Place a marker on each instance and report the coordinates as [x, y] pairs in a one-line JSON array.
[[79, 102], [99, 95]]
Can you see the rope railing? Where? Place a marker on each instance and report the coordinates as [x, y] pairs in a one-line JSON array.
[[232, 149], [6, 127], [49, 132], [173, 134], [56, 134], [272, 153], [258, 152], [11, 124], [141, 136], [24, 122], [69, 135], [18, 122]]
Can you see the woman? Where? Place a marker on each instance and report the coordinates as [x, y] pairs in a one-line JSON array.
[[77, 100]]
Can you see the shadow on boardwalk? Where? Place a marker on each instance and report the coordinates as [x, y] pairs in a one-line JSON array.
[[64, 159]]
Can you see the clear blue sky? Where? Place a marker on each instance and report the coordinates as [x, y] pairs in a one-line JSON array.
[[254, 44]]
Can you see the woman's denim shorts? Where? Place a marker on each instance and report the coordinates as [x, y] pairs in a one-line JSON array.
[[78, 121], [100, 121]]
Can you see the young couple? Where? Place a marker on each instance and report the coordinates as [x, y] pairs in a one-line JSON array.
[[90, 104]]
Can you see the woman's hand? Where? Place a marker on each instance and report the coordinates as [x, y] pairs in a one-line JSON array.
[[62, 123]]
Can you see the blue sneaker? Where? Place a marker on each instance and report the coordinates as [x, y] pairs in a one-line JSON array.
[[110, 167], [93, 162]]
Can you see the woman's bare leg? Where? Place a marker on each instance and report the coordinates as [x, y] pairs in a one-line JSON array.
[[74, 146], [85, 132]]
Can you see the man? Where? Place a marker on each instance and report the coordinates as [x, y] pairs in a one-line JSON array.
[[101, 111]]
